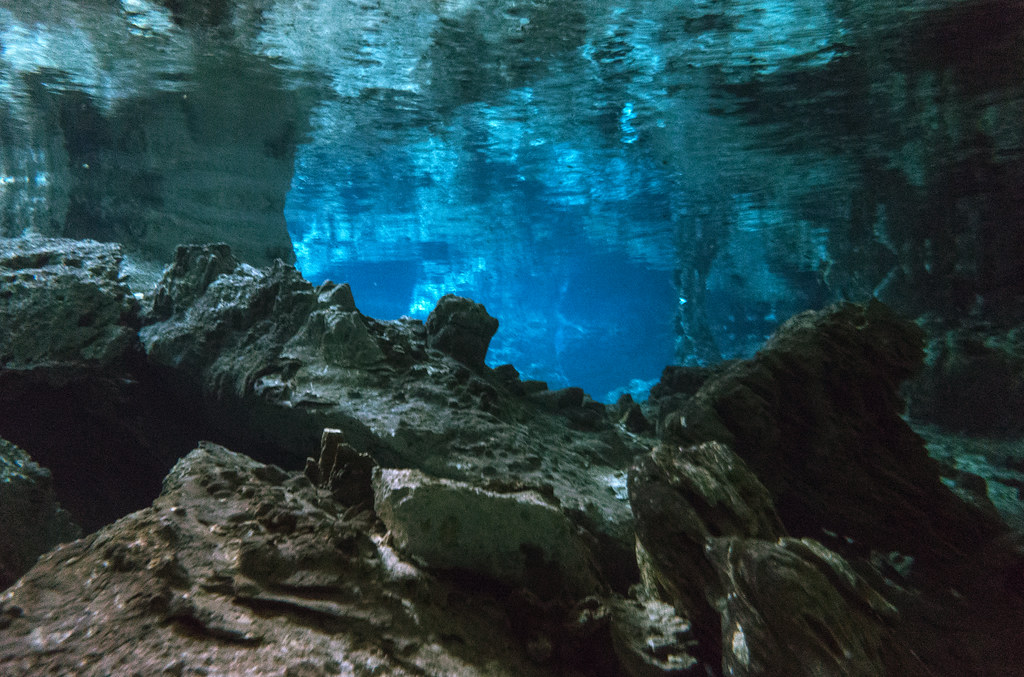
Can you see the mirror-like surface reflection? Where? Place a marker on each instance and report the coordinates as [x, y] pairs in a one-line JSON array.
[[623, 184]]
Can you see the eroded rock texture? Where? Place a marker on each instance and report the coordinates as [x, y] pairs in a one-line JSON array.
[[242, 568], [274, 361], [820, 450], [31, 521], [459, 520], [816, 416], [710, 542]]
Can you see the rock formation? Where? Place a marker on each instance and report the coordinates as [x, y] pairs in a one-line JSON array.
[[242, 568], [459, 520], [816, 415]]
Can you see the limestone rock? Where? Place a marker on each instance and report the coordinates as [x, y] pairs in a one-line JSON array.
[[31, 521], [710, 543], [270, 362], [519, 538], [797, 413], [461, 328], [62, 306], [682, 498], [652, 641], [342, 470], [792, 607], [241, 568], [193, 270]]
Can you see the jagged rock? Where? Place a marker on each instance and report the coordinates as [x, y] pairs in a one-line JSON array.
[[677, 385], [797, 413], [461, 328], [241, 568], [63, 308], [519, 538], [31, 521], [193, 270], [632, 416], [710, 542], [345, 472], [681, 498], [272, 362]]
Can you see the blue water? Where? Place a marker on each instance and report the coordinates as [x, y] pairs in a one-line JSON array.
[[576, 306], [556, 163], [624, 184]]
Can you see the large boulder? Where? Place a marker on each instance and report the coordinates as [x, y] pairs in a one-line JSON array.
[[515, 537], [63, 308], [31, 520], [760, 603], [792, 607], [461, 328], [816, 414], [680, 498]]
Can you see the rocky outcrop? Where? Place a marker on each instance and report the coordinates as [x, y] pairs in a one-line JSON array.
[[242, 568], [710, 543], [816, 416], [31, 521], [793, 607], [516, 537], [461, 328], [70, 369], [681, 498], [274, 361], [55, 335], [459, 520]]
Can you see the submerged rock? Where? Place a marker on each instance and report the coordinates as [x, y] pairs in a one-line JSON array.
[[816, 416], [274, 361], [792, 607], [70, 369], [460, 521], [241, 568], [516, 537], [461, 328], [680, 499], [651, 640], [63, 309], [31, 521]]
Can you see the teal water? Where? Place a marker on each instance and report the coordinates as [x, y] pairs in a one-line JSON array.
[[623, 184]]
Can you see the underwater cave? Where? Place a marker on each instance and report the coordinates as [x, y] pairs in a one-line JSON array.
[[642, 192]]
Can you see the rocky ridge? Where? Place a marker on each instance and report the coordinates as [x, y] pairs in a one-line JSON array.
[[458, 520]]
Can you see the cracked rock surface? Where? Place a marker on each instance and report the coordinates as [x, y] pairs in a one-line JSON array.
[[241, 568]]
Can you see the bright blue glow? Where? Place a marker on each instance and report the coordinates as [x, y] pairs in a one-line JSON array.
[[555, 240], [562, 180]]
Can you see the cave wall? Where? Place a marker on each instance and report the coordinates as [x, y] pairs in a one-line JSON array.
[[199, 147]]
